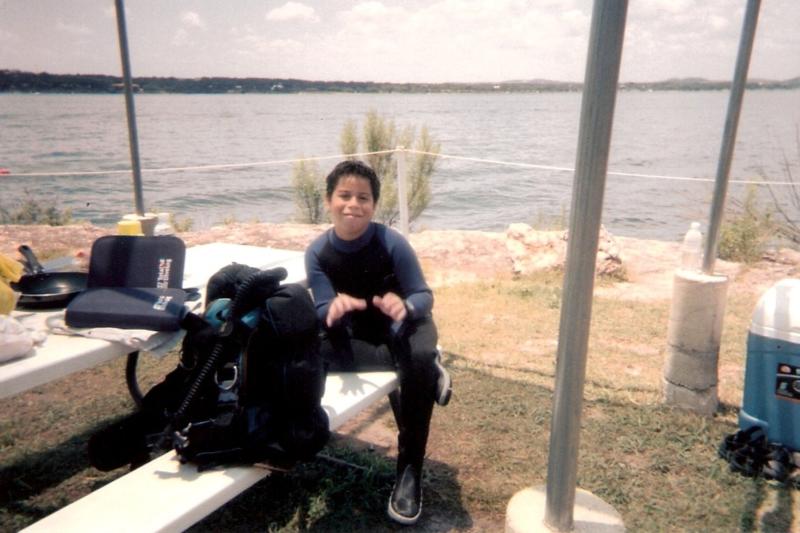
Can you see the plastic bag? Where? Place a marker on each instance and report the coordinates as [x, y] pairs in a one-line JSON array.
[[15, 340]]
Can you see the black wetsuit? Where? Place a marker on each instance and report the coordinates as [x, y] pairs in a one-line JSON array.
[[380, 261]]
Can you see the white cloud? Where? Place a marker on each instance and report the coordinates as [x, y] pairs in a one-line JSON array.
[[73, 29], [285, 45], [192, 19], [372, 10], [293, 11], [717, 22], [253, 43], [463, 40], [181, 38]]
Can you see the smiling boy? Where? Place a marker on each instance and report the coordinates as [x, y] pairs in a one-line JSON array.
[[375, 307]]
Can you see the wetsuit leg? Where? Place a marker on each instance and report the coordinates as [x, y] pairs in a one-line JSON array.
[[343, 353], [413, 356], [415, 353]]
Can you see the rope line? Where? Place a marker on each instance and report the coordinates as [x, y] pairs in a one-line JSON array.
[[196, 167], [610, 173], [380, 152]]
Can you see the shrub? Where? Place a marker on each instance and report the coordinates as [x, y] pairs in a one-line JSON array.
[[181, 225], [746, 231], [32, 211], [379, 134], [309, 192], [787, 225]]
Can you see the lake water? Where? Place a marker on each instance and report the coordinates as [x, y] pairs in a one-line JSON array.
[[657, 133]]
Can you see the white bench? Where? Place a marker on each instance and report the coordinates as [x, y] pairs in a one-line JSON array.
[[165, 495]]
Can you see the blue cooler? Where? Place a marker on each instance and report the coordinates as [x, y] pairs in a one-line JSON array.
[[772, 374]]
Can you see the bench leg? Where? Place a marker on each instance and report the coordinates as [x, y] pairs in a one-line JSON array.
[[130, 378]]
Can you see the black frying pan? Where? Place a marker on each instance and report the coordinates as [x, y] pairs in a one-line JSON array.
[[46, 290]]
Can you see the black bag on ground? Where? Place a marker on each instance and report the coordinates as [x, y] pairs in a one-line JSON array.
[[248, 387]]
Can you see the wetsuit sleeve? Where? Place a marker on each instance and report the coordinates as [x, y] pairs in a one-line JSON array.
[[318, 281], [418, 296]]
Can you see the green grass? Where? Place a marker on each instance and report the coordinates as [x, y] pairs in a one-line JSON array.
[[657, 466]]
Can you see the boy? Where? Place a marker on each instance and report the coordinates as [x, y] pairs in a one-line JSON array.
[[375, 308]]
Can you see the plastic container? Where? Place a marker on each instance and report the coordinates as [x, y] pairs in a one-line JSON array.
[[692, 249], [163, 226], [147, 223], [772, 372], [129, 227]]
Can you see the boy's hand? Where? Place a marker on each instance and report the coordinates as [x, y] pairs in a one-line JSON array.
[[391, 305], [341, 305]]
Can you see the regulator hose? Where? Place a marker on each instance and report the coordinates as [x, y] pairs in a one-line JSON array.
[[226, 329]]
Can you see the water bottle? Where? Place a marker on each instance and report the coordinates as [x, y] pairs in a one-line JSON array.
[[692, 249], [163, 226]]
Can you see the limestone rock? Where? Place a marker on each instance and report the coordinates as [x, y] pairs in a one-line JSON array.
[[533, 250]]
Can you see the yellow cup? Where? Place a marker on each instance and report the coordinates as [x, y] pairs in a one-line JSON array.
[[147, 222], [129, 227]]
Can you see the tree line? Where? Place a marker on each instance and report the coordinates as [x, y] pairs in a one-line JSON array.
[[44, 82]]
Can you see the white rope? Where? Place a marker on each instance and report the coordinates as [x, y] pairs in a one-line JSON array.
[[361, 154], [611, 173], [197, 167]]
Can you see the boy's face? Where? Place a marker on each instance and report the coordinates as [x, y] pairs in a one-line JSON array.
[[351, 207]]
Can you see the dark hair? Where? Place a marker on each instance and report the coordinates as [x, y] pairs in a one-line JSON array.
[[353, 167]]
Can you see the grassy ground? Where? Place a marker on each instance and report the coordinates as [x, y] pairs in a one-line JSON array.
[[656, 465]]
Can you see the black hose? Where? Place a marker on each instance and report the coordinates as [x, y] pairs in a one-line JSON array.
[[235, 312]]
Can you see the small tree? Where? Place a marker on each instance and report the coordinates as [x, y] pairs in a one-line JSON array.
[[746, 230], [32, 211], [309, 192], [787, 226], [379, 134]]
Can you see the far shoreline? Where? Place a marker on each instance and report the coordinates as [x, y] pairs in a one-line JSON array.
[[44, 82]]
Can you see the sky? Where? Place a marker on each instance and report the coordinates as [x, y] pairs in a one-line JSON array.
[[427, 41]]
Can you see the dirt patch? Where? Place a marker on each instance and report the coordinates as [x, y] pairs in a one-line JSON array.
[[449, 257]]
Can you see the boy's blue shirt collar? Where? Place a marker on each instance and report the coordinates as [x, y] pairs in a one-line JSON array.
[[354, 245]]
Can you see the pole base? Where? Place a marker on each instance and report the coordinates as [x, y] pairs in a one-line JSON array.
[[525, 513]]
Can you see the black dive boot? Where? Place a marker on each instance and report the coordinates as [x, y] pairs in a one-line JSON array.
[[444, 384], [405, 503]]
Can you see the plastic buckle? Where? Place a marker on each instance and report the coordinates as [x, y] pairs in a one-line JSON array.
[[227, 384]]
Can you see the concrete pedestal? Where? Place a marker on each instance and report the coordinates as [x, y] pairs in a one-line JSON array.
[[693, 339], [525, 513]]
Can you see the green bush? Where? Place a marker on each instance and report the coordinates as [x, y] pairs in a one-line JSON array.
[[746, 231], [309, 192], [31, 211], [787, 226], [379, 134], [181, 225]]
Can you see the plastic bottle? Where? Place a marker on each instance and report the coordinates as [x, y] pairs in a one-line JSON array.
[[692, 249], [163, 226]]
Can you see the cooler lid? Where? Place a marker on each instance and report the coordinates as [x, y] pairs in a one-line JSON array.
[[777, 314]]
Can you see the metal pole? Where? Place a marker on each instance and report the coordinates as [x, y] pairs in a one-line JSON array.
[[402, 189], [729, 134], [133, 138], [597, 113]]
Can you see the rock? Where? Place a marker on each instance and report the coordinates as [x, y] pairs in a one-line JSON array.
[[453, 256], [787, 256], [532, 250]]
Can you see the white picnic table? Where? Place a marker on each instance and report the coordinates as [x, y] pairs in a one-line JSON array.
[[165, 494], [61, 355]]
